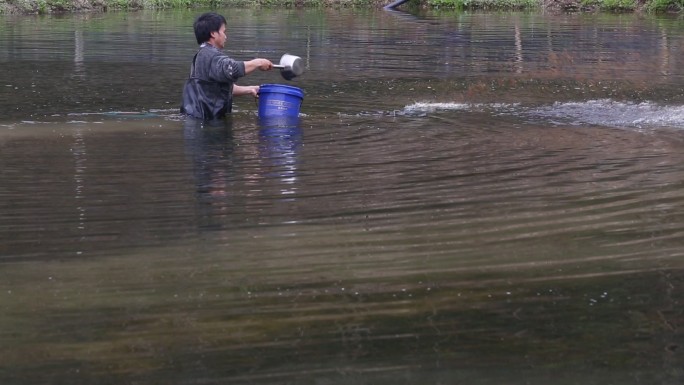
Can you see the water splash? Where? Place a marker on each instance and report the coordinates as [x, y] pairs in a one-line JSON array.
[[426, 107], [422, 108], [602, 112], [607, 112]]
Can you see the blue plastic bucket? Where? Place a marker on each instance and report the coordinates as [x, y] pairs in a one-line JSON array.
[[277, 100]]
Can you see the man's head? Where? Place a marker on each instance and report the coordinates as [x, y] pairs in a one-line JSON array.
[[210, 27]]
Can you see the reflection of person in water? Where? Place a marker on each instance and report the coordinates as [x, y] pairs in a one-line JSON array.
[[212, 151], [208, 93], [235, 183]]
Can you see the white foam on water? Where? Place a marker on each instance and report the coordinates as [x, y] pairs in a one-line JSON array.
[[430, 107], [602, 112], [607, 112], [425, 107]]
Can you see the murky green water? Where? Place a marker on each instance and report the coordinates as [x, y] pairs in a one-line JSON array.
[[467, 199]]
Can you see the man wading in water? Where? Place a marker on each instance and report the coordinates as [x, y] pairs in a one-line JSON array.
[[208, 93]]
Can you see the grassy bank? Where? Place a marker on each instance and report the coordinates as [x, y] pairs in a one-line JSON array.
[[61, 6]]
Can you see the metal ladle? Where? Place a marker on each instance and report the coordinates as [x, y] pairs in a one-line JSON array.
[[290, 66]]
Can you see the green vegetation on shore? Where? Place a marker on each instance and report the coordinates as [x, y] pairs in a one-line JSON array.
[[652, 6], [62, 6]]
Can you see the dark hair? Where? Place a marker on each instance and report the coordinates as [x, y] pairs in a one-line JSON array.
[[207, 23]]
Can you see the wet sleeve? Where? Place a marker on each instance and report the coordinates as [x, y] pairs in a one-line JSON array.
[[226, 69]]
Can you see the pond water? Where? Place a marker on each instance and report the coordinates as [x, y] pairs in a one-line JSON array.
[[467, 198]]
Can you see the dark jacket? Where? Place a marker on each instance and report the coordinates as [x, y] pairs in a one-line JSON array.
[[208, 93]]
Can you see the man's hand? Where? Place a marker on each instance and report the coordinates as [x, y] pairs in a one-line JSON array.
[[245, 90], [262, 64]]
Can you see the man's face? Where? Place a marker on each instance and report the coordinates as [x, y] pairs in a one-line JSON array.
[[220, 37]]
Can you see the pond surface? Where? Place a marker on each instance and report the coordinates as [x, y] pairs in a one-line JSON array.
[[467, 198]]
